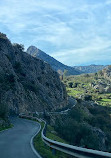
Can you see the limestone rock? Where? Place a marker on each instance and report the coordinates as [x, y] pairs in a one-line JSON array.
[[27, 83]]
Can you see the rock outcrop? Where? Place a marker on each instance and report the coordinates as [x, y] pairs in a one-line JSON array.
[[28, 83], [107, 73]]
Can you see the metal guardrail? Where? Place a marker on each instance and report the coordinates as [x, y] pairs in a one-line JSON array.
[[78, 152], [30, 117]]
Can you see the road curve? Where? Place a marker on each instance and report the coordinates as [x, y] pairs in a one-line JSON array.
[[15, 142]]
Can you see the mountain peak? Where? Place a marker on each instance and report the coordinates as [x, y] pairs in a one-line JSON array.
[[33, 50], [56, 65]]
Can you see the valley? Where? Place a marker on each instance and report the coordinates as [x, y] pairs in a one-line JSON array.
[[96, 87], [55, 79], [90, 118], [76, 107]]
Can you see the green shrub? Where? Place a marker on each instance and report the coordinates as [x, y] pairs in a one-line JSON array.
[[18, 67], [30, 86], [3, 36], [87, 97], [3, 111], [10, 78], [70, 84], [7, 81], [19, 46]]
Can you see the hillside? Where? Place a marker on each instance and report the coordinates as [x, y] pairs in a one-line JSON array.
[[88, 123], [56, 65], [26, 83], [90, 68], [97, 86]]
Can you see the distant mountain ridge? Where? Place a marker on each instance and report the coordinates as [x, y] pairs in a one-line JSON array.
[[59, 67], [56, 65], [90, 68]]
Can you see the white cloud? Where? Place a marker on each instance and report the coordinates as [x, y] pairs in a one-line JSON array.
[[98, 50], [62, 28], [108, 2]]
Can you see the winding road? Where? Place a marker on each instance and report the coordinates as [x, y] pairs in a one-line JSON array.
[[15, 142]]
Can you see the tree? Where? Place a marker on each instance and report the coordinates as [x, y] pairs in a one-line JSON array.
[[65, 73], [100, 73], [60, 73], [88, 97], [2, 35], [18, 67], [87, 75], [19, 46], [70, 84]]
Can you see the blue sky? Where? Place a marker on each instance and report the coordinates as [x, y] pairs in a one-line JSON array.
[[75, 32]]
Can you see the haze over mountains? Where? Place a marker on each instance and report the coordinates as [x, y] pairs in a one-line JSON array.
[[90, 68], [58, 66]]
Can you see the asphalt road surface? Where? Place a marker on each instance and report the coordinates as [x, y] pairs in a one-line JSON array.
[[15, 142]]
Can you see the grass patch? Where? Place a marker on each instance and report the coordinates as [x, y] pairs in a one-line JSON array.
[[43, 149], [105, 102], [73, 92], [4, 128], [53, 135]]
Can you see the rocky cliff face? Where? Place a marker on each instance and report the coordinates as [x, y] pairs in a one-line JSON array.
[[107, 72], [27, 83], [103, 84], [56, 65]]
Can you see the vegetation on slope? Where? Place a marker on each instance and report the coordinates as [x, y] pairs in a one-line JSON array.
[[96, 86], [4, 122], [86, 126], [43, 149]]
